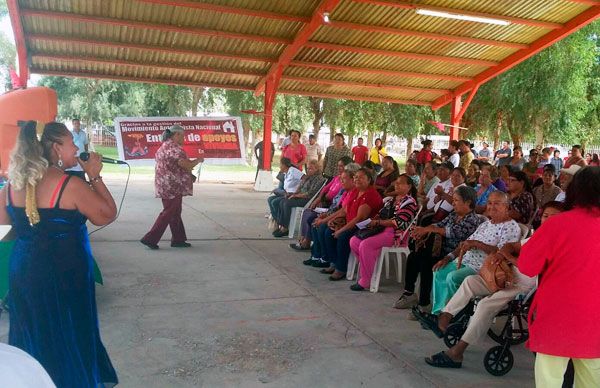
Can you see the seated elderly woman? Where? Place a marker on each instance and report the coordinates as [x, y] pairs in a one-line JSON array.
[[522, 203], [292, 177], [488, 307], [490, 236], [434, 242], [363, 202], [311, 183], [319, 225], [385, 230], [487, 176], [324, 200]]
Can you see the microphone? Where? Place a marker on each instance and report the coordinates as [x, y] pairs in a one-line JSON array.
[[86, 155]]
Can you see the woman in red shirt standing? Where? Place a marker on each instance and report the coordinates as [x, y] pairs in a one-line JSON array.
[[172, 181], [295, 151], [564, 315], [361, 203]]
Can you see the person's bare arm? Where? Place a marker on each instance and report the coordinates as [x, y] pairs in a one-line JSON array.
[[189, 164], [4, 218], [93, 201]]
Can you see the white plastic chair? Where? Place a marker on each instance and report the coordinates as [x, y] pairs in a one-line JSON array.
[[400, 253], [524, 230], [294, 219]]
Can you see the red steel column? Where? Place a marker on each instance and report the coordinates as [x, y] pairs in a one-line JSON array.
[[455, 117], [270, 93]]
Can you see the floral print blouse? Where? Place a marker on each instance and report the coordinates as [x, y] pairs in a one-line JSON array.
[[458, 231], [171, 180]]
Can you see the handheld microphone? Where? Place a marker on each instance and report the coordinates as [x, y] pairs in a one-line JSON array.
[[86, 155]]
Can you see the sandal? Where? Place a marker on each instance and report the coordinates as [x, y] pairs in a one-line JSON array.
[[441, 360], [428, 321], [327, 271], [337, 276]]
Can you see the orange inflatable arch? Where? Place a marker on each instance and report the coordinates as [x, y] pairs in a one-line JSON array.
[[37, 103]]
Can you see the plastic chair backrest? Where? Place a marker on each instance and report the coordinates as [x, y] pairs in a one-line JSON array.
[[314, 196], [412, 222], [524, 230]]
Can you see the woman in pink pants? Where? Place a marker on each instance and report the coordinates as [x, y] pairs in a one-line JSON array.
[[395, 216]]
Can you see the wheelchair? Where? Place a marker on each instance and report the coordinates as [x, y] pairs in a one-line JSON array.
[[498, 360]]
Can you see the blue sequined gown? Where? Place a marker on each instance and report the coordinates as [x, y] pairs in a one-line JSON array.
[[52, 298]]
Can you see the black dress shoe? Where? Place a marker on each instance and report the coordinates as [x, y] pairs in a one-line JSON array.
[[181, 244], [149, 245], [357, 287], [309, 261], [320, 264], [280, 233]]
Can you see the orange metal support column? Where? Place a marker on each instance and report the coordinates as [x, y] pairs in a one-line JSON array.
[[455, 117]]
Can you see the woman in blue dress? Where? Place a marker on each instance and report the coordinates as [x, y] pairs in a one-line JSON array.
[[52, 299]]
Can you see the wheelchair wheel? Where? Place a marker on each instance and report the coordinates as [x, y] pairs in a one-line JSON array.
[[453, 334], [515, 336], [498, 361]]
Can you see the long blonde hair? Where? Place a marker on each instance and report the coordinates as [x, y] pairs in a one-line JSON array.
[[30, 158], [29, 161]]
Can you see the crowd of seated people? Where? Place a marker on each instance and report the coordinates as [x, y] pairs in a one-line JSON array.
[[467, 219]]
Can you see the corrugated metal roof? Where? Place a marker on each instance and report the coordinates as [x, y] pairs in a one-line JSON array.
[[234, 43]]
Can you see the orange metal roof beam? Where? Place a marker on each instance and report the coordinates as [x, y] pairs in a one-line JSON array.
[[552, 37], [229, 10], [514, 20], [300, 40], [362, 84], [399, 54], [391, 73], [136, 79], [15, 19], [171, 50], [356, 98], [167, 66], [425, 35], [151, 26]]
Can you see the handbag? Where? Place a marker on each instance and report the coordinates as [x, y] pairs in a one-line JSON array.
[[497, 276], [369, 232]]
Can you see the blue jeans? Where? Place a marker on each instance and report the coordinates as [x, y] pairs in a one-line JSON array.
[[273, 202], [317, 250], [338, 249]]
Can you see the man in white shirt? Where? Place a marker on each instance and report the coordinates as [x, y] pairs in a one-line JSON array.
[[292, 177], [454, 157], [313, 149], [444, 175], [81, 141]]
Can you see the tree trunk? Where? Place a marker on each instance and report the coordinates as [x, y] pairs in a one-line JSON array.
[[498, 130], [246, 130], [196, 97], [370, 138], [384, 136], [350, 140], [316, 105], [539, 136], [409, 145]]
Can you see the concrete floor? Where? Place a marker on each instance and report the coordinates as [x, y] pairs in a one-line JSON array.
[[238, 309]]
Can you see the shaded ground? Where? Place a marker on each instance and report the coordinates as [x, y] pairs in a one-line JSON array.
[[239, 309]]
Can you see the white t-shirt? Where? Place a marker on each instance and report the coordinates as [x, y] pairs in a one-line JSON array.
[[561, 196], [313, 151], [491, 234], [454, 159], [292, 180], [431, 193], [19, 370], [81, 140]]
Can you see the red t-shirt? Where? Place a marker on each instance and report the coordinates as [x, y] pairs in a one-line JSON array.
[[295, 154], [370, 197], [360, 154], [424, 156]]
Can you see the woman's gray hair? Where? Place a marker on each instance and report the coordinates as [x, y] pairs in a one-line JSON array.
[[315, 162], [467, 194], [352, 167], [168, 133]]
